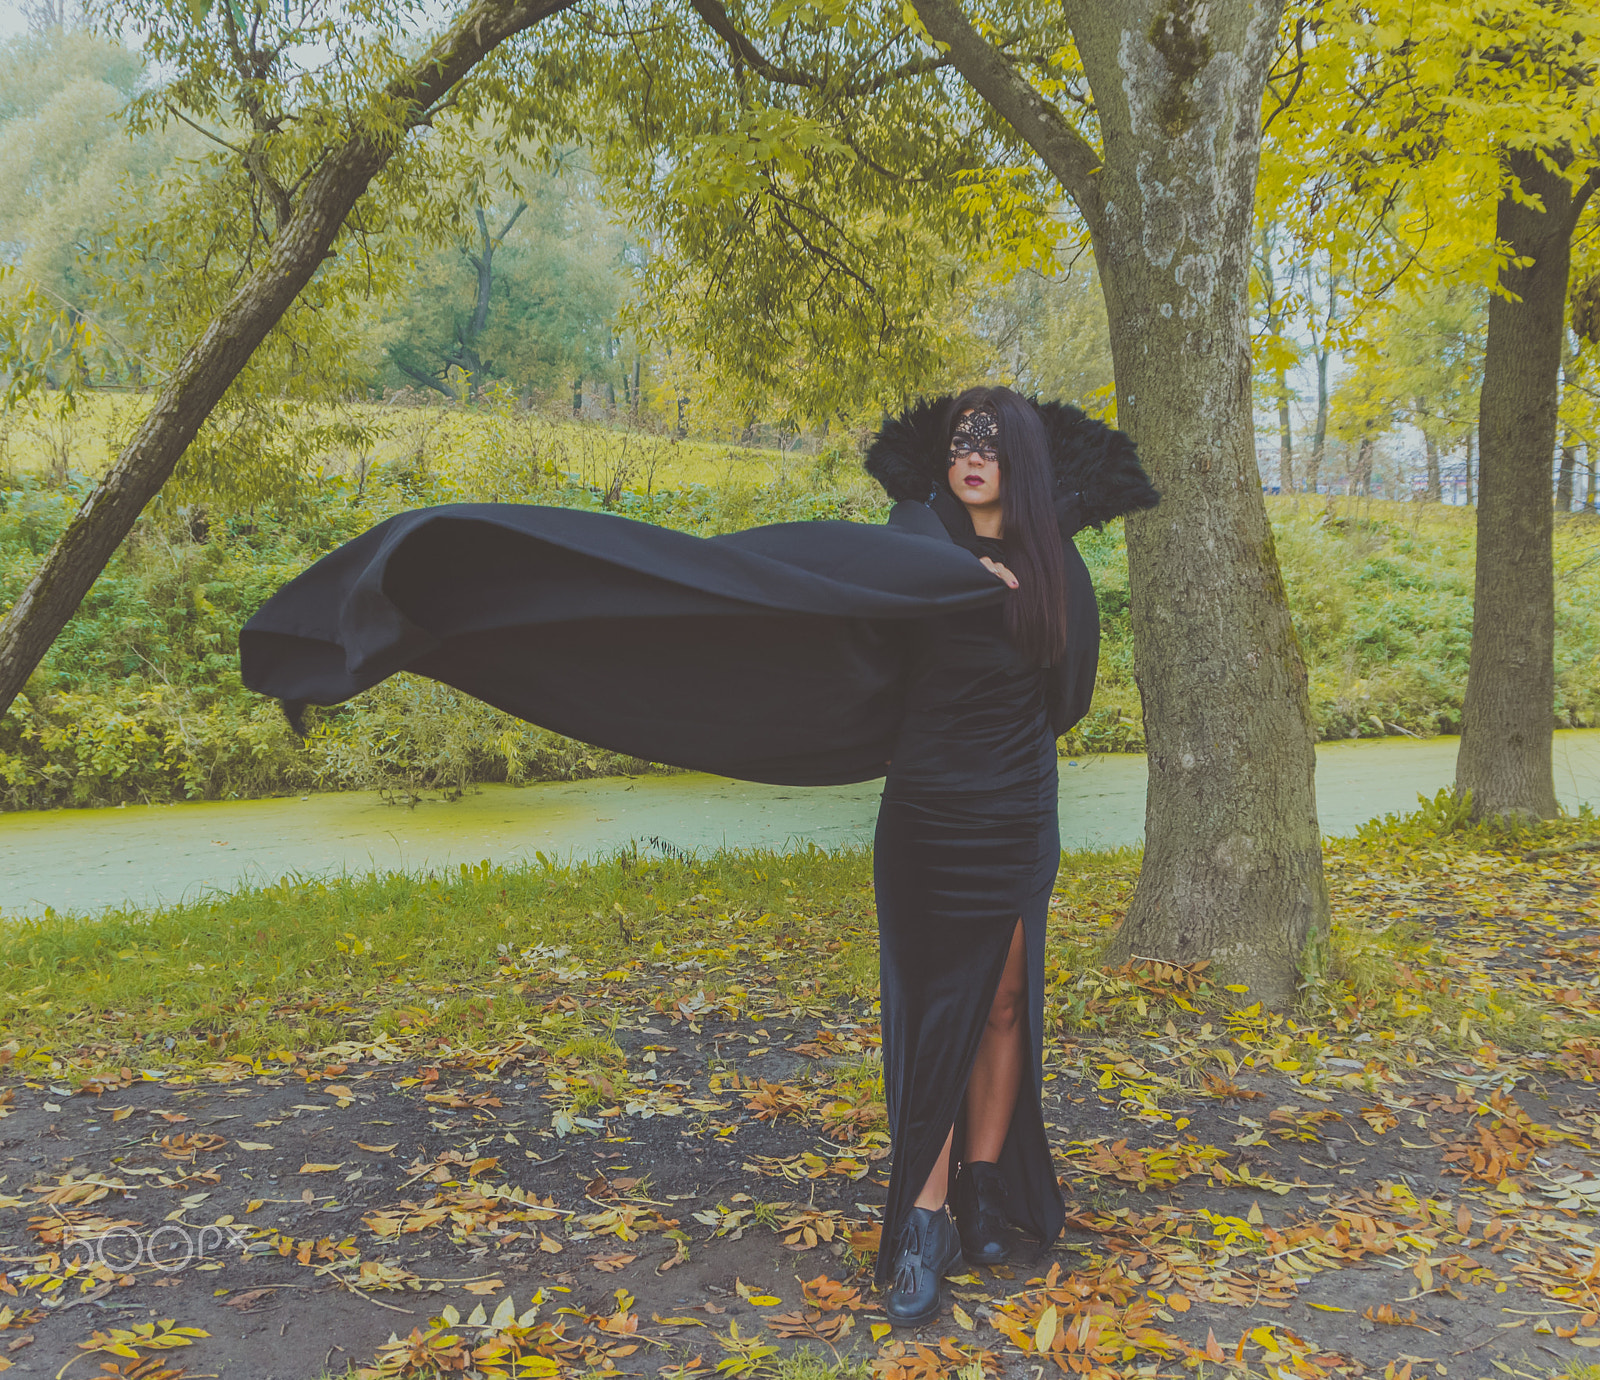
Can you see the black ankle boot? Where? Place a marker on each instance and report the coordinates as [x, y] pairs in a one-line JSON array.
[[980, 1205], [926, 1249]]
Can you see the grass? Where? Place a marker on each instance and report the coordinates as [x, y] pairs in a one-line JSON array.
[[489, 445], [288, 966], [459, 960]]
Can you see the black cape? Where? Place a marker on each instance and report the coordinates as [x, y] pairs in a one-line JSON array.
[[777, 654]]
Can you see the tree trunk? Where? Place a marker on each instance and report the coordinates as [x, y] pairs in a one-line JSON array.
[[1280, 380], [1285, 437], [1568, 470], [1319, 437], [638, 365], [1233, 861], [467, 357], [1591, 503], [198, 382], [1322, 353], [1509, 710], [1431, 445], [1472, 437], [1361, 481]]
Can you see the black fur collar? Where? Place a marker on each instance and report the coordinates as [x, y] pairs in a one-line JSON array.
[[1094, 464]]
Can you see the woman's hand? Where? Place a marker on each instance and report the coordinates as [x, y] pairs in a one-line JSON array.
[[999, 570]]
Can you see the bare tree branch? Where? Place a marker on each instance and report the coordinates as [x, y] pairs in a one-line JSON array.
[[716, 18], [1065, 152], [201, 129]]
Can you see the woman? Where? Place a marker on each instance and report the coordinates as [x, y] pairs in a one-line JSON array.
[[805, 654], [967, 846]]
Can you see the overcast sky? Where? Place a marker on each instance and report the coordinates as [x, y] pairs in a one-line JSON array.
[[11, 20]]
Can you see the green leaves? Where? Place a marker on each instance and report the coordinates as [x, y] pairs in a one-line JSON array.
[[44, 343]]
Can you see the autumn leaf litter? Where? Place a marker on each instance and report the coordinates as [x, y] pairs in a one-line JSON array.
[[673, 1167]]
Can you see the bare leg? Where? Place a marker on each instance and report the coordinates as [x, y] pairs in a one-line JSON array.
[[996, 1075], [938, 1184], [997, 1071]]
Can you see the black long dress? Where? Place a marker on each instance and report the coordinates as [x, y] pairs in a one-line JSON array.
[[802, 653], [967, 845]]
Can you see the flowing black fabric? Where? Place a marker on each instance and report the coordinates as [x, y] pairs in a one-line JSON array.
[[777, 654]]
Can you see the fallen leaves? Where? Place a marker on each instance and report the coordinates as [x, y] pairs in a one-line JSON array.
[[164, 1335], [1492, 1156], [626, 1222], [185, 1146], [758, 1300], [1388, 1315], [1142, 1168], [916, 1361], [89, 1189], [811, 1227]]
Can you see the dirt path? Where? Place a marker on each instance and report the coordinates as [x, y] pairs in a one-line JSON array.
[[299, 1218]]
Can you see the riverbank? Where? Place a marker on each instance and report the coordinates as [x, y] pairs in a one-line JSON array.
[[627, 1119], [139, 701], [85, 860]]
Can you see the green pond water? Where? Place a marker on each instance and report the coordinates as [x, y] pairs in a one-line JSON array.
[[86, 860]]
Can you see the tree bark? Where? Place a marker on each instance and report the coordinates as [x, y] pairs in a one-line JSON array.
[[1233, 861], [1591, 502], [1509, 710], [200, 379], [1472, 439]]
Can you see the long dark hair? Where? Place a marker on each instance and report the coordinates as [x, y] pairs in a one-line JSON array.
[[1036, 612]]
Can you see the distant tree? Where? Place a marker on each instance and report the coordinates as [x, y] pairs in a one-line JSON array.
[[1046, 334], [1461, 141], [1418, 358], [531, 295], [1275, 351], [65, 156]]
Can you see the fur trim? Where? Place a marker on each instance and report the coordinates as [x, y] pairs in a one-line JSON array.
[[908, 456], [1093, 463]]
